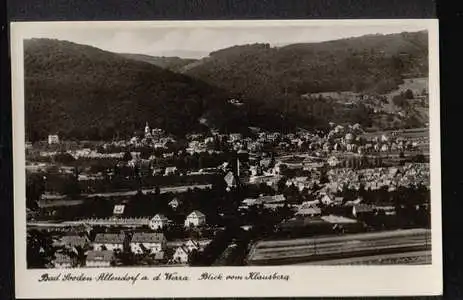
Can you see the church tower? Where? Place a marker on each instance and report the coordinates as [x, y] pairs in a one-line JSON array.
[[147, 129]]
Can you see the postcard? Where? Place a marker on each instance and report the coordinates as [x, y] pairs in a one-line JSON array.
[[264, 158]]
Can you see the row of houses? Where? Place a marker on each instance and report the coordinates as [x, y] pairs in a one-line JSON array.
[[159, 221], [102, 251]]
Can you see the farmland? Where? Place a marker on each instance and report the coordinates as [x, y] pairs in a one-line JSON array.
[[295, 251], [414, 258]]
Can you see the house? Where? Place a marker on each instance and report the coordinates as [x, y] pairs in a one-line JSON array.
[[151, 242], [333, 161], [157, 171], [230, 180], [326, 199], [174, 203], [158, 222], [338, 200], [181, 255], [109, 241], [272, 199], [118, 209], [170, 171], [53, 139], [193, 245], [388, 210], [196, 218], [361, 209], [62, 261], [235, 137], [265, 163], [74, 240], [309, 211], [99, 259]]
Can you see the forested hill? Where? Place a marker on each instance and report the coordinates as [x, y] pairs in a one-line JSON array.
[[173, 63], [83, 92], [371, 64]]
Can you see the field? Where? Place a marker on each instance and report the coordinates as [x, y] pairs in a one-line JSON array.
[[294, 251], [411, 258]]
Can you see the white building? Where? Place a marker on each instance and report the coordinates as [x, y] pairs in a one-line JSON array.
[[181, 255], [193, 245], [53, 139], [196, 218], [333, 161], [151, 242], [99, 259], [109, 241], [62, 261], [326, 199], [158, 222]]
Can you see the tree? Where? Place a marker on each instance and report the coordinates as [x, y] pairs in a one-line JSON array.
[[35, 186], [399, 100], [64, 158], [127, 156], [408, 94], [40, 250]]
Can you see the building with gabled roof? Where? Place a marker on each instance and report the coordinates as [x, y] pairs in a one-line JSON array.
[[193, 245], [62, 261], [181, 255], [147, 242], [159, 221], [175, 203], [99, 259], [195, 218], [74, 240], [109, 241]]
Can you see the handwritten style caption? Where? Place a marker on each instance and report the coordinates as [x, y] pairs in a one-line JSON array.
[[166, 276]]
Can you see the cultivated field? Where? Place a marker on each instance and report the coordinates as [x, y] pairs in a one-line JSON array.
[[410, 258], [295, 251]]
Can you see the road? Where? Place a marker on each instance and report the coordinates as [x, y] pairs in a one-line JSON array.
[[72, 202], [351, 245]]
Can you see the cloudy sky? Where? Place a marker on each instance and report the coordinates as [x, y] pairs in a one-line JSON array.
[[197, 41]]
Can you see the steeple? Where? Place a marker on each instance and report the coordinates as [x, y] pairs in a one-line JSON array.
[[147, 128]]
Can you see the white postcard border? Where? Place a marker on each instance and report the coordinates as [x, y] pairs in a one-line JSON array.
[[304, 280]]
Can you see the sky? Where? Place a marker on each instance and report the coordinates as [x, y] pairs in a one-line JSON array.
[[198, 41]]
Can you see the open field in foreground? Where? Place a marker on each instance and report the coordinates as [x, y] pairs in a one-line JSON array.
[[296, 251], [409, 258]]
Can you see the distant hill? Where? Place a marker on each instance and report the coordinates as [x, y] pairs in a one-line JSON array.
[[83, 92], [171, 63], [276, 77]]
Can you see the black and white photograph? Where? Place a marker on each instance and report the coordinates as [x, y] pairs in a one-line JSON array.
[[266, 144]]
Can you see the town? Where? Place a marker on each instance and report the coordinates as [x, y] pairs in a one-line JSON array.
[[229, 199]]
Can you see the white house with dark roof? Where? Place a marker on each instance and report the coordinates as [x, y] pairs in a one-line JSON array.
[[193, 245], [99, 259], [170, 171], [151, 242], [159, 221], [118, 209], [308, 211], [62, 261], [195, 218], [110, 241], [181, 255], [74, 240]]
